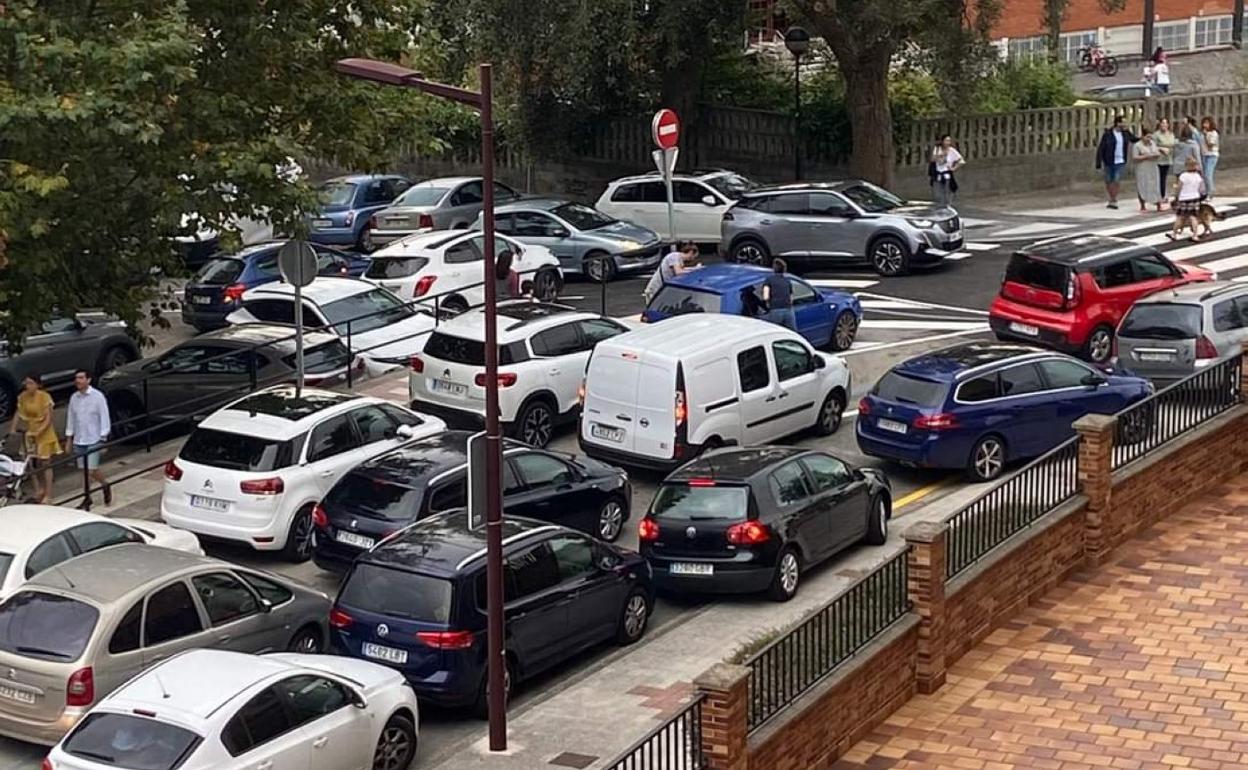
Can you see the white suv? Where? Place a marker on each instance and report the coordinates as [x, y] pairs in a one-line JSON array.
[[252, 471], [542, 351], [699, 201]]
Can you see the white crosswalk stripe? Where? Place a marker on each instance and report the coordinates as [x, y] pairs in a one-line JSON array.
[[1205, 248], [1225, 252], [841, 283], [956, 256], [981, 246]]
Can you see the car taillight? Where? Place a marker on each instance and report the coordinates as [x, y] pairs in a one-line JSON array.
[[1205, 348], [426, 220], [748, 533], [417, 364], [320, 519], [423, 285], [1072, 290], [340, 619], [350, 219], [47, 764], [580, 394], [80, 689], [648, 530], [505, 379], [679, 410], [864, 407], [701, 482], [446, 640], [234, 292], [273, 486], [940, 421], [172, 471]]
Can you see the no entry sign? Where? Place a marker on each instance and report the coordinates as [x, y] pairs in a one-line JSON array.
[[665, 128]]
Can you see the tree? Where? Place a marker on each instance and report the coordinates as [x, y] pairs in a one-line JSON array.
[[1055, 16]]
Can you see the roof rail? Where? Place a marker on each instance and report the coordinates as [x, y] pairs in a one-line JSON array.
[[506, 541]]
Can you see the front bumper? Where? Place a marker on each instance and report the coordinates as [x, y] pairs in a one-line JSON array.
[[934, 245], [638, 260]]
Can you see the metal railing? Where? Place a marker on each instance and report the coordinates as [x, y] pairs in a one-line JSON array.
[[797, 661], [674, 745], [1169, 413], [1011, 506]]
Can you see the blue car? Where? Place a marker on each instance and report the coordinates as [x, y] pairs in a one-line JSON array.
[[979, 406], [825, 317], [347, 208], [216, 288]]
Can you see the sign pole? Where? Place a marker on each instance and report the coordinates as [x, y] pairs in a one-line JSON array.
[[298, 340], [297, 264], [665, 131]]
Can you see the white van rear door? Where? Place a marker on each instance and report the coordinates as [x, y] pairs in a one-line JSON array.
[[656, 410], [610, 418]]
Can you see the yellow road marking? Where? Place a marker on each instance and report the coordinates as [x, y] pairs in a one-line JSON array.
[[920, 493]]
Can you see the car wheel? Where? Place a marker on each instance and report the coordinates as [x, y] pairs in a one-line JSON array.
[[889, 256], [482, 707], [830, 414], [455, 305], [787, 576], [396, 746], [845, 330], [610, 520], [750, 252], [110, 359], [633, 618], [546, 285], [307, 641], [298, 547], [877, 522], [987, 459], [8, 400], [126, 417], [365, 240], [1100, 345], [535, 423], [599, 267]]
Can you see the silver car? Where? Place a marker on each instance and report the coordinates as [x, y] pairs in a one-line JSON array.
[[584, 239], [1177, 332], [74, 633], [850, 221], [447, 203]]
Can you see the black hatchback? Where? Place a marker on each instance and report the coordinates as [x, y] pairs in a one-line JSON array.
[[740, 520], [424, 477]]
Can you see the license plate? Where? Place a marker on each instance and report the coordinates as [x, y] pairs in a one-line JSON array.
[[686, 568], [209, 503], [350, 538], [1156, 357], [321, 224], [12, 693], [606, 433], [1027, 329], [200, 299], [388, 654], [449, 388], [891, 425]]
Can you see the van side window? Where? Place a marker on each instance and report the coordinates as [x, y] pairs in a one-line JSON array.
[[752, 367], [792, 359], [531, 572]]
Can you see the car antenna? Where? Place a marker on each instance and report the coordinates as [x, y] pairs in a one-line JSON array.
[[65, 577], [159, 683]]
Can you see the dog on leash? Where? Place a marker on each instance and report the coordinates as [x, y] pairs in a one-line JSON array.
[[1206, 216]]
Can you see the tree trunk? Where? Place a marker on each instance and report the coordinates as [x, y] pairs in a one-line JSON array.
[[870, 117], [1054, 15]]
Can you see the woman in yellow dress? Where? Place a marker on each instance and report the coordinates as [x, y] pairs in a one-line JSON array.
[[34, 410]]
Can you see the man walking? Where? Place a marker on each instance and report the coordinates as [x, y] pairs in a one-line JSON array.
[[778, 294], [1111, 156], [86, 427]]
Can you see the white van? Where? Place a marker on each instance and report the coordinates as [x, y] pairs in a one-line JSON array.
[[656, 396]]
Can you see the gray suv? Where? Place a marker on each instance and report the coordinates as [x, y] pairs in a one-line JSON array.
[[448, 203], [1175, 333], [850, 221]]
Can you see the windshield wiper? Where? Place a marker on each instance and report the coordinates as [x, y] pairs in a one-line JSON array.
[[40, 651]]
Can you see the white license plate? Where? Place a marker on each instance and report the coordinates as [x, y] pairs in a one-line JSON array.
[[686, 568], [209, 503], [1027, 329], [321, 224], [606, 433], [891, 425], [12, 693], [1163, 357], [388, 654], [449, 388], [200, 299], [350, 538]]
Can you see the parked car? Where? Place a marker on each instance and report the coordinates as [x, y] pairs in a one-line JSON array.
[[699, 200], [1173, 334], [583, 239], [375, 325], [542, 351], [60, 346], [1070, 293], [446, 203], [417, 602], [657, 396], [347, 208], [219, 710], [430, 476], [72, 635], [1127, 92], [217, 289], [252, 471], [979, 406], [448, 265], [198, 376], [752, 519], [825, 317], [34, 538]]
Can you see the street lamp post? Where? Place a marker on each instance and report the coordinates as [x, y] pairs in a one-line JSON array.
[[797, 40], [395, 75]]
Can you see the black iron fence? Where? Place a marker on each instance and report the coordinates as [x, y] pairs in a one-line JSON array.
[[1171, 412], [1011, 506], [797, 661], [674, 745]]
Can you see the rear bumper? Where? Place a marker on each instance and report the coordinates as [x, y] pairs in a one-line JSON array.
[[334, 236], [1048, 336], [684, 453], [443, 688], [931, 452], [204, 317], [329, 554], [454, 417], [40, 732], [729, 578], [270, 536]]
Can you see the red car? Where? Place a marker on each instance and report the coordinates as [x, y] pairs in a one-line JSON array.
[[1070, 293]]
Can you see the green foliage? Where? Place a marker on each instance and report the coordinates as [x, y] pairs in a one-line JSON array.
[[735, 79], [1024, 85]]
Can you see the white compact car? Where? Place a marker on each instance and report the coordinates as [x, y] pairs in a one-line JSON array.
[[382, 330], [219, 710], [699, 200], [542, 350], [448, 264], [657, 396], [34, 538], [252, 471]]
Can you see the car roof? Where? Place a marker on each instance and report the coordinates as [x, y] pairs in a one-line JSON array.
[[446, 181], [359, 178], [531, 204], [276, 413], [278, 336], [25, 525], [1195, 292], [1083, 250], [699, 174], [735, 463], [835, 186], [443, 544], [683, 335], [249, 251], [516, 319], [416, 463], [956, 360], [322, 289], [721, 277], [111, 574]]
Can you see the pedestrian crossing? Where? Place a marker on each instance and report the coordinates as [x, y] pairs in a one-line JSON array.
[[1225, 252]]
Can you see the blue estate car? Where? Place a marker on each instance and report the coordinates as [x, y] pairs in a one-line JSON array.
[[979, 406], [825, 317], [348, 204]]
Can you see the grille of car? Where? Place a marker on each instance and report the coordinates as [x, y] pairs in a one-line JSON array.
[[950, 225]]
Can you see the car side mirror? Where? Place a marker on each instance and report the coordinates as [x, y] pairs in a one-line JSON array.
[[820, 362], [709, 200], [559, 232], [266, 606], [1093, 380], [405, 432], [358, 701]]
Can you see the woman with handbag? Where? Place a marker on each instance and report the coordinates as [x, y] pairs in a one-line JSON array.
[[944, 162]]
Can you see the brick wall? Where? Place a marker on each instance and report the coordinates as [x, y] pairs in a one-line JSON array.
[[1025, 18]]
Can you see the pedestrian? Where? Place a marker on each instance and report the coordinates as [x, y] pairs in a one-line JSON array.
[[34, 411], [751, 305], [944, 162], [1161, 75], [1150, 76], [1192, 123], [1159, 56], [506, 280], [678, 261], [87, 427], [1186, 148], [1165, 140], [1210, 150], [778, 294], [1145, 153], [1190, 189], [1111, 156]]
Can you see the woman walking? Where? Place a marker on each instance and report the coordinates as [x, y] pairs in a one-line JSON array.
[[34, 411], [1190, 186], [1211, 147], [1146, 155], [1165, 140], [944, 162]]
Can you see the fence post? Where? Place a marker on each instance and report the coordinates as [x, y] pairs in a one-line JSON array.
[[350, 359], [86, 482], [725, 712], [925, 583], [1095, 467], [1243, 372]]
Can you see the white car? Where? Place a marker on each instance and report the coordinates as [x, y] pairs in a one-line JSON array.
[[448, 264], [252, 471], [699, 201], [374, 324], [34, 538], [220, 710], [543, 349]]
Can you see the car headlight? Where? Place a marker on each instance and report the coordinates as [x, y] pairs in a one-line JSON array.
[[922, 224], [630, 245]]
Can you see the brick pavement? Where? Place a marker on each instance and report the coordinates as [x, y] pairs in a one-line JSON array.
[[1139, 665]]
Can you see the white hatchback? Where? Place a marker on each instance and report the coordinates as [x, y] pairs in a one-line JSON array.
[[219, 710], [252, 471], [699, 200]]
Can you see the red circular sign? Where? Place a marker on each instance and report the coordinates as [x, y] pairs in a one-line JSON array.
[[665, 129]]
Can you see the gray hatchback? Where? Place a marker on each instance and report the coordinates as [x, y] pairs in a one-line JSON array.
[[447, 203], [1177, 332]]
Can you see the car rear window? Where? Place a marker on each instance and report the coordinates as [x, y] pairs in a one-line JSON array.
[[327, 357], [46, 626], [219, 271], [395, 267], [895, 386], [338, 193], [457, 350], [421, 196], [235, 451], [374, 498], [676, 300], [1162, 321], [1036, 272], [132, 742], [397, 593], [689, 502]]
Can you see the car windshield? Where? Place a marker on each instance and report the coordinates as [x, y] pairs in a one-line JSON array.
[[1036, 272], [872, 199], [235, 451], [582, 217], [420, 196], [34, 624], [394, 267], [701, 502], [337, 193], [397, 593], [364, 495], [731, 186], [677, 300], [895, 386], [131, 742], [370, 310], [219, 271], [1162, 321]]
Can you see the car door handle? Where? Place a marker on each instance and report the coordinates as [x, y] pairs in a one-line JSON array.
[[224, 638], [265, 765], [770, 399], [326, 474], [555, 372], [623, 418], [767, 221], [319, 743], [783, 395]]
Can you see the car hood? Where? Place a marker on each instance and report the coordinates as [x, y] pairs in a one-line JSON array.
[[165, 536], [124, 375], [923, 210], [376, 344], [617, 232]]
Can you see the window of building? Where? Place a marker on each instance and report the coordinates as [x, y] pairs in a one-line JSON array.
[[1213, 31], [1172, 35], [1027, 48], [1073, 42]]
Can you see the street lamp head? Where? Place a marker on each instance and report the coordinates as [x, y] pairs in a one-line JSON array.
[[377, 71], [797, 40]]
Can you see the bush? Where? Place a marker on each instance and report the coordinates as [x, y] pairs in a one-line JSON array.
[[1025, 85]]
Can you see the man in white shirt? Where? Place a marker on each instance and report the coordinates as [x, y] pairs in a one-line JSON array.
[[86, 427]]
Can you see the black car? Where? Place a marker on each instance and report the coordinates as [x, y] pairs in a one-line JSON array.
[[739, 520], [417, 603], [431, 475]]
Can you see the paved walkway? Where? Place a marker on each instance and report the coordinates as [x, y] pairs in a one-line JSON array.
[[1140, 665]]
